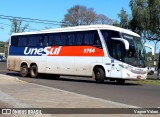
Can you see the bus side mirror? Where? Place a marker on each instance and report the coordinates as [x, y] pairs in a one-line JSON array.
[[126, 43], [150, 48]]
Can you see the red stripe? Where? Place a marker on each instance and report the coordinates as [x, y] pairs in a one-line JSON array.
[[77, 51]]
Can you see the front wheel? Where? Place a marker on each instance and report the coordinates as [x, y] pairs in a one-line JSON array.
[[99, 75], [33, 71], [24, 70]]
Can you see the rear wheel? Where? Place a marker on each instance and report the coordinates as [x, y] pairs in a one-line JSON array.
[[24, 70], [99, 75], [33, 71]]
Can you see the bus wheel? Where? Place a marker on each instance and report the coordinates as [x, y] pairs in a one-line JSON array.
[[120, 81], [24, 70], [99, 75], [33, 71]]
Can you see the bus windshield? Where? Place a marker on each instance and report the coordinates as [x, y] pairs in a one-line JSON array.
[[136, 55]]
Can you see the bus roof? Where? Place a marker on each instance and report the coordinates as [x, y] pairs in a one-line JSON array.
[[80, 28]]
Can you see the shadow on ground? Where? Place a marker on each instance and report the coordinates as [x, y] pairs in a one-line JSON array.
[[72, 79]]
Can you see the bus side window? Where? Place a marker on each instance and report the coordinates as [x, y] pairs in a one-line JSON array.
[[23, 41], [79, 38], [54, 39], [88, 38], [97, 41], [33, 41], [63, 39], [71, 38], [43, 40], [14, 41]]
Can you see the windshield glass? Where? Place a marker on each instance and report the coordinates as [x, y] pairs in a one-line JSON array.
[[136, 55]]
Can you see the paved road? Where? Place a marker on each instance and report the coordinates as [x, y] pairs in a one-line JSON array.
[[130, 93]]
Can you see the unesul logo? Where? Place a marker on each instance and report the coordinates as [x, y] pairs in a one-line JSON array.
[[42, 51]]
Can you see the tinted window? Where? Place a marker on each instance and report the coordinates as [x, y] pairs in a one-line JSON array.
[[43, 40], [54, 39], [88, 38], [23, 41], [71, 38], [96, 40], [33, 41], [64, 39], [14, 40], [79, 38], [116, 48]]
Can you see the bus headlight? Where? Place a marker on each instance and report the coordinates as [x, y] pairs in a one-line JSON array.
[[132, 70]]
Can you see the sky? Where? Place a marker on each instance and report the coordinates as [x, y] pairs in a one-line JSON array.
[[53, 10]]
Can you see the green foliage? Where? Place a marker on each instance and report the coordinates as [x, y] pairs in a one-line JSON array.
[[124, 20], [2, 44], [146, 18], [153, 82]]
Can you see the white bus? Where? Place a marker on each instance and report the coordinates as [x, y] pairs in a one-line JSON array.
[[98, 51]]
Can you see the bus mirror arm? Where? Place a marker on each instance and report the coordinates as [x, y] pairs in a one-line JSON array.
[[150, 48], [126, 43]]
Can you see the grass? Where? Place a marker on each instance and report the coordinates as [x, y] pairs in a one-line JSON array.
[[153, 82]]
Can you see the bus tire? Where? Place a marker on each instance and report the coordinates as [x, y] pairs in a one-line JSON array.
[[120, 81], [99, 75], [24, 70], [33, 71]]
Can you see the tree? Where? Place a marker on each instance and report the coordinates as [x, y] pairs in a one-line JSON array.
[[81, 15], [146, 19], [102, 19], [124, 20], [17, 26]]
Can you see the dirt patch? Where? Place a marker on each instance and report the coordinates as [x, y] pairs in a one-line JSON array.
[[5, 105]]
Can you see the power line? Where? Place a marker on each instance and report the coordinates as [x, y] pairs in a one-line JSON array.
[[11, 25], [31, 20]]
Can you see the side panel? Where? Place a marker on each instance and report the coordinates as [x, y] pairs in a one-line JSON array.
[[69, 60], [84, 65], [18, 55], [60, 65], [14, 62]]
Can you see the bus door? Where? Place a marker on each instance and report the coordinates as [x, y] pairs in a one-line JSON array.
[[116, 70]]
